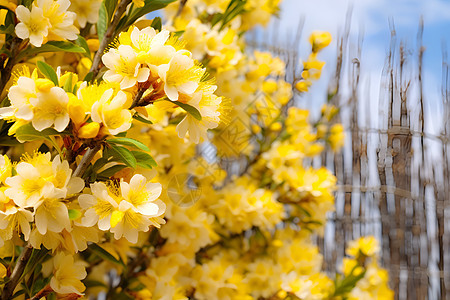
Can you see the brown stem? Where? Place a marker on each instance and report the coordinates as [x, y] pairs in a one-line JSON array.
[[180, 8], [85, 161], [137, 98], [42, 293], [21, 263], [109, 36]]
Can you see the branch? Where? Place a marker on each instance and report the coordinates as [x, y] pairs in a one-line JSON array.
[[137, 98], [180, 8], [85, 161], [21, 263], [42, 293], [108, 37]]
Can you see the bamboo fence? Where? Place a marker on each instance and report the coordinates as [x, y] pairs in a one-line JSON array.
[[393, 172]]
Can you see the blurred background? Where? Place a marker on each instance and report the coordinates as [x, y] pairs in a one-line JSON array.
[[387, 70]]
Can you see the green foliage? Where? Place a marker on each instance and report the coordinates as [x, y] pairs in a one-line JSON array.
[[128, 142], [52, 46], [81, 41], [157, 23], [68, 84], [235, 8], [48, 72], [74, 214], [103, 21], [140, 118], [27, 133], [111, 171], [347, 283], [102, 253], [137, 12], [7, 29], [110, 6], [189, 109], [144, 160], [122, 154]]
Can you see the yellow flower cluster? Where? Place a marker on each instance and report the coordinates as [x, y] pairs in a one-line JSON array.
[[374, 282], [106, 187], [312, 67], [47, 20]]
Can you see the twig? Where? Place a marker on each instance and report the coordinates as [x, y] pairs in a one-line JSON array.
[[42, 293], [85, 161], [22, 261], [180, 8], [137, 98], [108, 37]]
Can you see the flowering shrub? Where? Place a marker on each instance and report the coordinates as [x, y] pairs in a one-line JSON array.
[[144, 161]]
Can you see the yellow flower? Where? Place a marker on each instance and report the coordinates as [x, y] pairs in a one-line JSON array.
[[33, 25], [86, 10], [50, 109], [5, 168], [319, 40], [336, 137], [125, 211], [139, 3], [110, 111], [181, 74], [89, 130], [10, 4], [208, 106], [367, 246], [303, 86], [67, 274], [61, 21], [124, 67]]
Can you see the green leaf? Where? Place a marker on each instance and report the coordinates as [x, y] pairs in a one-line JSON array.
[[124, 155], [190, 109], [99, 163], [102, 23], [110, 8], [144, 160], [104, 254], [111, 171], [27, 133], [156, 24], [8, 141], [140, 118], [136, 13], [81, 41], [216, 19], [27, 3], [88, 76], [68, 84], [7, 29], [52, 46], [235, 8], [17, 294], [129, 142], [178, 33], [10, 18], [93, 283], [74, 214], [48, 72]]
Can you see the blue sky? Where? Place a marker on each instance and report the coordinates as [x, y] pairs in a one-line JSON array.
[[372, 18]]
